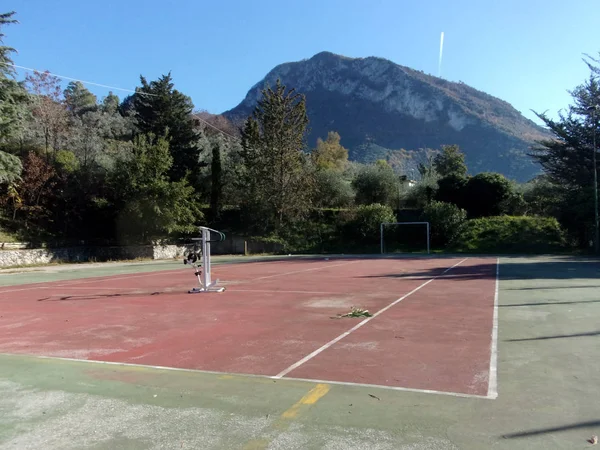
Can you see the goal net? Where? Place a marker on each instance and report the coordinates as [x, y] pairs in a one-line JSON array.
[[404, 237]]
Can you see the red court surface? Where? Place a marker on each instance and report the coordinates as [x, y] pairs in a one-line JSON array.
[[275, 319]]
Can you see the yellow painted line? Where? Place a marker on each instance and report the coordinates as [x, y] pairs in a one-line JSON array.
[[284, 421], [311, 398]]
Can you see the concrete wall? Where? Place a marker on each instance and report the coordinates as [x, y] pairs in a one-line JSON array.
[[25, 257], [18, 254]]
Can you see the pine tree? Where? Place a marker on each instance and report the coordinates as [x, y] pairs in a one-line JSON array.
[[277, 179], [110, 104], [451, 161], [149, 205], [79, 99], [161, 110], [12, 95], [567, 159]]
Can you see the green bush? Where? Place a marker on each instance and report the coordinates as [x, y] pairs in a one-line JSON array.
[[445, 219], [509, 234], [486, 194], [361, 229], [332, 190], [375, 183]]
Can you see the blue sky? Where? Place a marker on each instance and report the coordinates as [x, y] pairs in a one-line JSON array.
[[527, 52]]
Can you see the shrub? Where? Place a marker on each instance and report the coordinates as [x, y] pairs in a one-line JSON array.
[[375, 183], [508, 234], [445, 219], [486, 194], [332, 190], [361, 230]]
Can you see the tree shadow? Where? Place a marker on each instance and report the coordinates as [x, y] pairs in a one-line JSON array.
[[101, 296], [574, 426], [553, 287], [516, 305], [511, 268], [558, 336]]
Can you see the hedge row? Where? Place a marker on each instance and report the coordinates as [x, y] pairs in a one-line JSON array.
[[509, 234]]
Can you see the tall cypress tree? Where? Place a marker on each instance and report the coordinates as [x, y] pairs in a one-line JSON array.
[[216, 173], [161, 110], [277, 179]]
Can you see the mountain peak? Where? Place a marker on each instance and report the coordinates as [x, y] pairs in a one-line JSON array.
[[379, 107]]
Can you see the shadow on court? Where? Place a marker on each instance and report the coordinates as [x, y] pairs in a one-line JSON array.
[[515, 268], [574, 426], [577, 302], [101, 296], [559, 336]]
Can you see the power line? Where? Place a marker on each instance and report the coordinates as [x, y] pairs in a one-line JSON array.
[[75, 79], [116, 89], [218, 129]]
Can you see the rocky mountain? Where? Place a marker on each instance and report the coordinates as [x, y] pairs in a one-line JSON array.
[[384, 110]]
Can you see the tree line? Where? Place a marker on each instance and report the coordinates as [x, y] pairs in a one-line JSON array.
[[148, 167]]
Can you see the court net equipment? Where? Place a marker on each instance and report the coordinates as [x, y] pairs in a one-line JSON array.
[[199, 259]]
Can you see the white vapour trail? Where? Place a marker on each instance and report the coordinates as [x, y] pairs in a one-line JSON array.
[[441, 52]]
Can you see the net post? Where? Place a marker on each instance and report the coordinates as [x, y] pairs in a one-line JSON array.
[[206, 257], [427, 238], [205, 280], [381, 237]]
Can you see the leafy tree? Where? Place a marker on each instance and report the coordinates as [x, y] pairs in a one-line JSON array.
[[486, 193], [426, 169], [10, 168], [97, 135], [376, 183], [79, 99], [34, 195], [110, 103], [161, 110], [48, 109], [451, 161], [275, 171], [12, 96], [364, 226], [330, 154], [149, 205], [567, 158], [542, 197], [332, 190], [452, 189], [66, 161], [445, 220]]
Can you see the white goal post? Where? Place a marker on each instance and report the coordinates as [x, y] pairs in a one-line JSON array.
[[383, 225]]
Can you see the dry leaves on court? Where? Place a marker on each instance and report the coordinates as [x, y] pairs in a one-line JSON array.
[[355, 312]]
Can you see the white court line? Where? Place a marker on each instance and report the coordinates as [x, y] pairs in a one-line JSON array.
[[287, 292], [246, 375], [358, 325], [44, 284], [299, 271], [391, 388], [493, 380]]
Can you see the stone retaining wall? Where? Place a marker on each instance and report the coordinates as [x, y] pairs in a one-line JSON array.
[[21, 255]]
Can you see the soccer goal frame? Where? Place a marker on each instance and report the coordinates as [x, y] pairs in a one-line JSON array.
[[383, 225]]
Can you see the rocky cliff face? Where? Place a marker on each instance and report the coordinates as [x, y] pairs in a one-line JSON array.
[[381, 109]]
